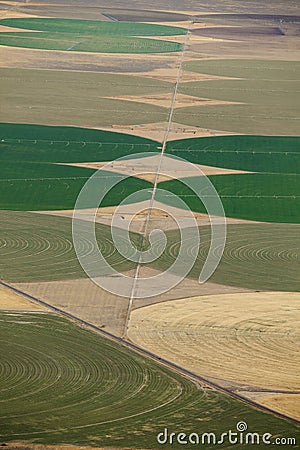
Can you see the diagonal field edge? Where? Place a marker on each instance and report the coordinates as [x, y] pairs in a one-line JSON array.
[[204, 383]]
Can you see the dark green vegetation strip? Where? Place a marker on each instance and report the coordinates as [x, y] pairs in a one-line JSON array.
[[277, 154], [30, 181], [39, 143], [37, 187], [93, 27], [272, 195], [53, 97], [256, 256], [268, 96], [61, 383], [90, 36], [77, 43], [261, 197]]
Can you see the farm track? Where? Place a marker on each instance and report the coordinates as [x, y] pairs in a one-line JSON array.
[[204, 383], [155, 184], [240, 253]]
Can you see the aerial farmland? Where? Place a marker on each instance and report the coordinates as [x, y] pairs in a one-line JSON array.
[[149, 224]]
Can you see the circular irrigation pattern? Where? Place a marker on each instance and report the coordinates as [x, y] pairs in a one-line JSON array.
[[56, 377], [40, 248], [251, 338], [256, 256]]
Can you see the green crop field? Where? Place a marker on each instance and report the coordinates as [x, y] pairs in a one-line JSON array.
[[37, 247], [256, 256], [72, 98], [247, 68], [89, 36], [260, 197], [241, 118], [51, 187], [71, 385], [40, 143], [77, 43], [276, 154], [93, 27], [30, 181], [266, 91], [243, 264]]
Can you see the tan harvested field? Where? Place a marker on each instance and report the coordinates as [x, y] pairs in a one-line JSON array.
[[5, 14], [182, 100], [286, 50], [4, 29], [244, 340], [171, 73], [10, 300], [146, 168], [178, 293], [85, 62], [157, 131], [83, 299], [89, 302], [162, 216], [288, 404], [249, 339]]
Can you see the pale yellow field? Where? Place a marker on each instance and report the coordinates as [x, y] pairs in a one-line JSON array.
[[243, 339], [9, 300], [288, 404]]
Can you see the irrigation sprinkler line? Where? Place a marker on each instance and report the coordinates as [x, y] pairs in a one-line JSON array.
[[152, 199], [198, 379]]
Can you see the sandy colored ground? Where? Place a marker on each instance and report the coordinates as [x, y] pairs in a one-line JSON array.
[[247, 339], [179, 38], [25, 58], [189, 285], [5, 14], [288, 404], [170, 74], [179, 23], [84, 299], [162, 216], [9, 300], [157, 131], [165, 100], [4, 29], [149, 165]]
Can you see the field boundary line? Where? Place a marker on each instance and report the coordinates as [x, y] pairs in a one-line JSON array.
[[155, 184], [198, 379]]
